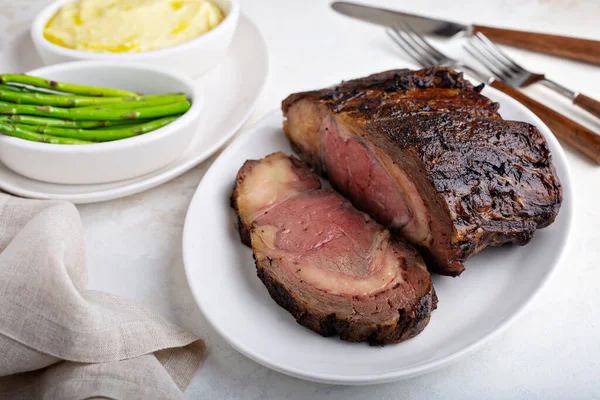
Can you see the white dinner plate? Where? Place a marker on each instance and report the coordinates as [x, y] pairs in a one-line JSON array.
[[230, 91], [496, 286]]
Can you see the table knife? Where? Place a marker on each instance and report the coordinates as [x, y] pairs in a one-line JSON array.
[[563, 46]]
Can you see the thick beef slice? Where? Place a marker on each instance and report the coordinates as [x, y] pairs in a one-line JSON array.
[[331, 266]]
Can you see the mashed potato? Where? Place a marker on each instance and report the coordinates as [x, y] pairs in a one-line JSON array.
[[130, 25]]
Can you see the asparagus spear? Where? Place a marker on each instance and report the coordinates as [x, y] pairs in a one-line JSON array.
[[79, 101], [64, 87], [97, 135], [10, 130], [44, 121], [140, 101], [123, 123], [23, 89], [96, 113]]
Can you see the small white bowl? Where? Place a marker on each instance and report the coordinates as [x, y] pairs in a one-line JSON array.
[[108, 161], [190, 58]]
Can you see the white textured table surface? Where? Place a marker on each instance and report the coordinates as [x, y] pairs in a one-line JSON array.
[[552, 351]]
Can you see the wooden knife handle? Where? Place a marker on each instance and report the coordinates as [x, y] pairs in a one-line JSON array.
[[565, 129], [588, 104], [562, 46]]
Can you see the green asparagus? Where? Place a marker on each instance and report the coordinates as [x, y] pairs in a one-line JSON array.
[[64, 87], [97, 135], [63, 123], [141, 101], [23, 89], [96, 113], [124, 123], [47, 111], [82, 101], [11, 130]]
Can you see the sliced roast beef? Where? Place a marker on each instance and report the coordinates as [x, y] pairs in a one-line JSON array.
[[450, 176], [331, 266]]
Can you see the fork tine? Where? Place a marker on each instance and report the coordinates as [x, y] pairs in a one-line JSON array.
[[394, 33], [491, 56], [424, 41], [390, 32], [479, 56], [485, 53], [404, 30], [494, 54], [510, 72], [499, 51]]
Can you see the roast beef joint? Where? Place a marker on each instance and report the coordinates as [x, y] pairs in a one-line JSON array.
[[429, 157]]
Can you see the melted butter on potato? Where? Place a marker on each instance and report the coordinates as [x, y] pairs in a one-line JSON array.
[[131, 25]]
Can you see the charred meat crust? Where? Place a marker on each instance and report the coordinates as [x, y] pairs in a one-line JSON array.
[[400, 92], [388, 82], [494, 178], [407, 326], [241, 176]]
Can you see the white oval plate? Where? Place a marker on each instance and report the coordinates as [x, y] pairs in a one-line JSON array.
[[230, 89], [494, 289]]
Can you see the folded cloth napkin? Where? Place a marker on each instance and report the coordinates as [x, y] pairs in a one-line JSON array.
[[59, 340]]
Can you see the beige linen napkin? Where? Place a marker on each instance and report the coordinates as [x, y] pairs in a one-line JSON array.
[[59, 340]]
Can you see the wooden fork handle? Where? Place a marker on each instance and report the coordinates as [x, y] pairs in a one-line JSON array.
[[561, 46], [588, 104], [565, 129]]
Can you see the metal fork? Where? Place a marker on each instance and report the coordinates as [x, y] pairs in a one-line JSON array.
[[424, 54], [569, 131], [506, 69]]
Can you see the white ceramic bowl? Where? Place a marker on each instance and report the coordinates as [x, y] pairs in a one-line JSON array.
[[190, 58], [109, 161]]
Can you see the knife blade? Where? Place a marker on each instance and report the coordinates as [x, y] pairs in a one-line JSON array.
[[382, 16], [563, 46]]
